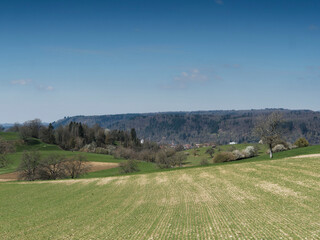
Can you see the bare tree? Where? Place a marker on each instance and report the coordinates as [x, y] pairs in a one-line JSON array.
[[76, 166], [269, 130], [29, 166], [52, 167], [210, 151]]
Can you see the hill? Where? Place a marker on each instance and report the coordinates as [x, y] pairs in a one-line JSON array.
[[266, 199], [50, 149], [221, 127]]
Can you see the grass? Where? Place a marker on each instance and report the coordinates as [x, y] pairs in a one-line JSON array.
[[10, 136], [259, 200]]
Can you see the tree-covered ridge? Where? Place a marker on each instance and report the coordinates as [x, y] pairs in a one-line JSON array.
[[205, 126]]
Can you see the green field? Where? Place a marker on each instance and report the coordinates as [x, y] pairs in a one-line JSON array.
[[254, 200], [10, 136]]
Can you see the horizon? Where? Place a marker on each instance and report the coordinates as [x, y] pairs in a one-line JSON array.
[[142, 113], [70, 58]]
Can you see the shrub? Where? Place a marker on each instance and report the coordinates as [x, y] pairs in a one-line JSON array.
[[129, 166], [204, 162], [223, 157], [126, 153], [279, 148], [179, 159], [301, 142], [170, 158], [147, 155], [250, 151], [238, 154]]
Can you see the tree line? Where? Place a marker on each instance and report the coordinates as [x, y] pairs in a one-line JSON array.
[[120, 143]]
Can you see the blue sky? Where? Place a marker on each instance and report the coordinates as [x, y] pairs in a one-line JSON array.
[[63, 58]]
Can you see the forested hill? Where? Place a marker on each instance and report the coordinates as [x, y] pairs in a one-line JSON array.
[[205, 126]]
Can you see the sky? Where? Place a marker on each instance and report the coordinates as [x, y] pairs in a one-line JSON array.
[[86, 57]]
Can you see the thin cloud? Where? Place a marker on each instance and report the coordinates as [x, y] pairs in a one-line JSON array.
[[185, 79], [24, 82], [219, 2], [45, 88], [21, 82]]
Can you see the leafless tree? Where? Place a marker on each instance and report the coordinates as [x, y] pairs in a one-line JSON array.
[[28, 167], [52, 167], [269, 130], [76, 166]]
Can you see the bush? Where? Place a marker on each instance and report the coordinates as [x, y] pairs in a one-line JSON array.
[[126, 153], [250, 151], [129, 166], [279, 148], [223, 157], [170, 158], [238, 154], [301, 142], [204, 162]]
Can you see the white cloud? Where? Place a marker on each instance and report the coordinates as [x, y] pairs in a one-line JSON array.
[[24, 82], [45, 88], [21, 82], [220, 2], [184, 79]]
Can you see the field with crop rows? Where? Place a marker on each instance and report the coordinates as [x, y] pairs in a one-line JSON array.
[[258, 200]]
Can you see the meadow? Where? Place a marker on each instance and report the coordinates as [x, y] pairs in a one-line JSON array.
[[267, 199]]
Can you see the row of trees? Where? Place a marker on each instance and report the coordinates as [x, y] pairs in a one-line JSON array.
[[33, 167], [75, 136]]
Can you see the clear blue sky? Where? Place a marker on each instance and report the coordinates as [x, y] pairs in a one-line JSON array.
[[63, 58]]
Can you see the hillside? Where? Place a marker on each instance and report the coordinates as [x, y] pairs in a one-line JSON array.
[[51, 149], [260, 200], [205, 126]]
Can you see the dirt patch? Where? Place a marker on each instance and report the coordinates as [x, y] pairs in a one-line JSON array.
[[307, 156], [94, 167], [277, 189], [9, 177], [98, 166]]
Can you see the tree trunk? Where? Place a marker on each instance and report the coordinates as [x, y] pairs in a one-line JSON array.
[[270, 150]]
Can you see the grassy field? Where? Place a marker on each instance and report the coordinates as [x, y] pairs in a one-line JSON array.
[[254, 200], [10, 136]]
